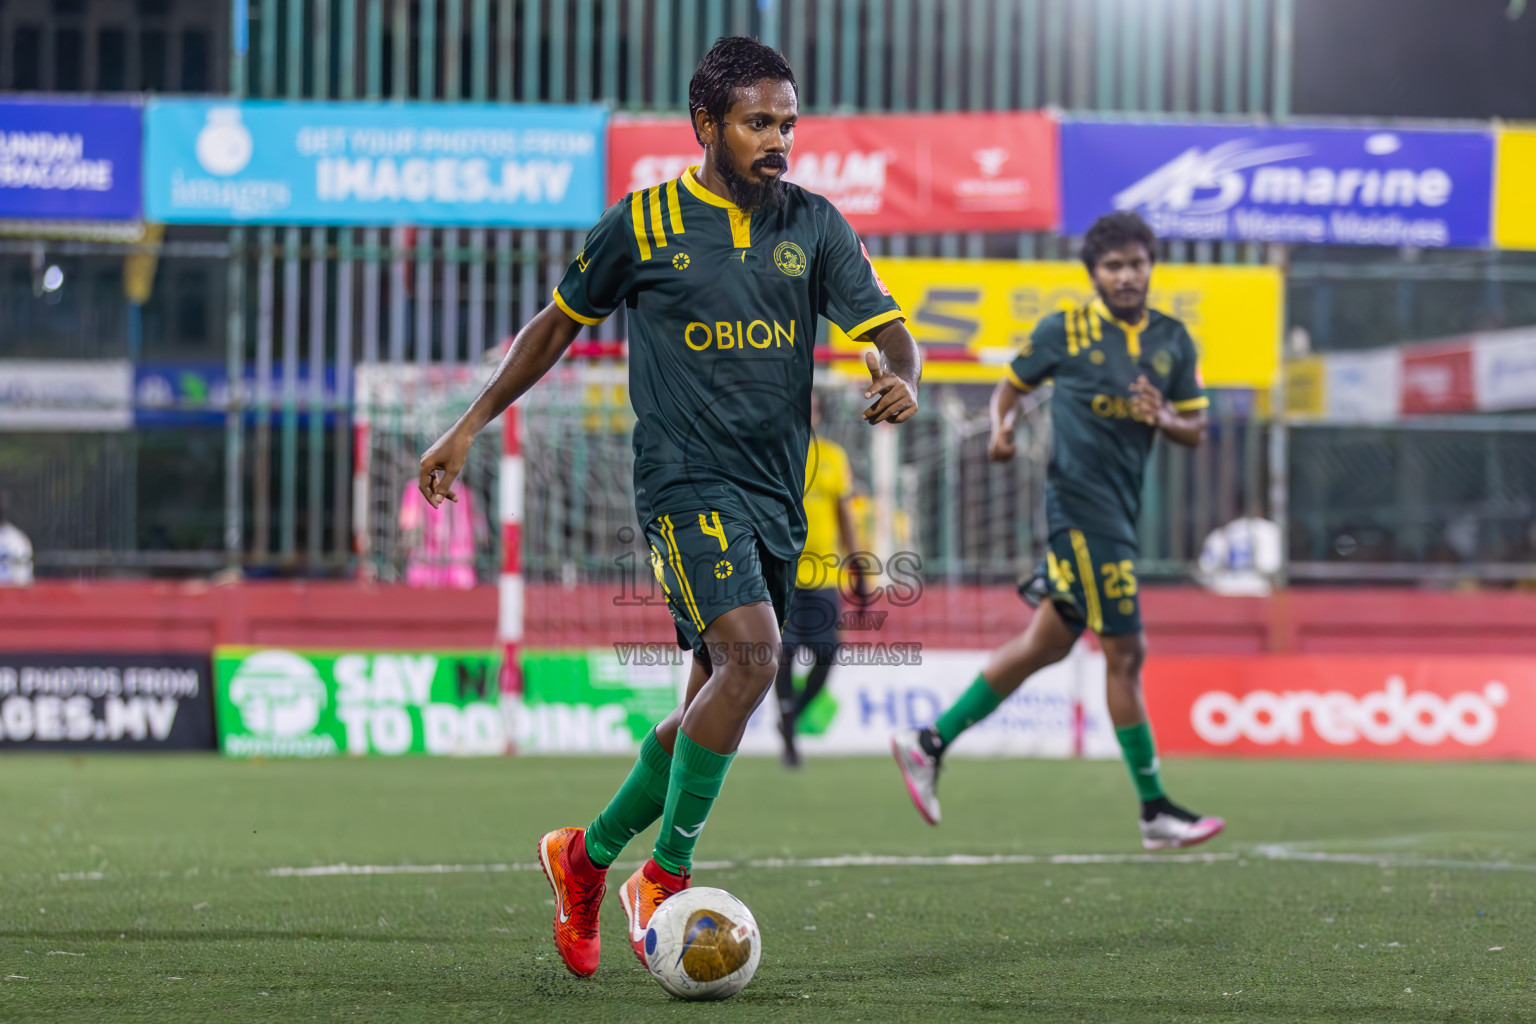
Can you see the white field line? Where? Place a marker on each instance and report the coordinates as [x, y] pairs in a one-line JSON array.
[[1269, 851]]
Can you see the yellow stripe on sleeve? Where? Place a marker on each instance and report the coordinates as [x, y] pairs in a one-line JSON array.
[[862, 328], [637, 214], [565, 307], [658, 230], [674, 207], [1018, 384], [1090, 582], [1191, 404]]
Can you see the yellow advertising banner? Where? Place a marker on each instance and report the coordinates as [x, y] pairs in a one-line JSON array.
[[971, 316], [1514, 198], [1305, 388]]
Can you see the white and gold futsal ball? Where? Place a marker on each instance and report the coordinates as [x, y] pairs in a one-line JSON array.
[[703, 943]]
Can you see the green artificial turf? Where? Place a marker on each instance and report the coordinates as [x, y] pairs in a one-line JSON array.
[[139, 888]]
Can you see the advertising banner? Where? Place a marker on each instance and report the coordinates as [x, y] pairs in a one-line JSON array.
[[277, 703], [1409, 708], [605, 701], [1504, 370], [105, 701], [1363, 387], [213, 162], [975, 314], [1314, 186], [887, 173], [1514, 202], [70, 161], [66, 394], [1438, 379], [596, 701], [1305, 388]]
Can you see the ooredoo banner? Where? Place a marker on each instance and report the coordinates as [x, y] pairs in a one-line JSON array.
[[264, 162], [1408, 708], [887, 173], [1315, 186], [105, 701]]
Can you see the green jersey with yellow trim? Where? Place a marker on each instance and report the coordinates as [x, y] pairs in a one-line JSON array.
[[722, 307], [1098, 448]]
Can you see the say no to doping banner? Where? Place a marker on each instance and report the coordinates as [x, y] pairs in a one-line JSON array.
[[887, 173], [213, 162], [974, 314], [279, 703]]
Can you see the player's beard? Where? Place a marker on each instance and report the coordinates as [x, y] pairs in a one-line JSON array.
[[747, 193], [1130, 315]]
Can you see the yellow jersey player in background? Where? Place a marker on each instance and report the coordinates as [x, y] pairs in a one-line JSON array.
[[830, 538]]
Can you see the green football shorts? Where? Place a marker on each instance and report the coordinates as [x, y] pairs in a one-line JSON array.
[[1093, 582], [708, 564]]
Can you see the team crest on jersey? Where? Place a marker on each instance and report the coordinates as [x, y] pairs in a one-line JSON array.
[[789, 258], [680, 261], [1163, 363]]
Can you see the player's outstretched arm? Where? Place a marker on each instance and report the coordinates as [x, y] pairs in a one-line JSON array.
[[537, 347], [893, 374]]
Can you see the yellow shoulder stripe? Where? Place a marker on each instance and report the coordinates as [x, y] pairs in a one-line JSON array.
[[658, 232], [637, 215], [674, 207]]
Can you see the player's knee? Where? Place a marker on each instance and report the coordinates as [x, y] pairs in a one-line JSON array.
[[1126, 657], [743, 683]]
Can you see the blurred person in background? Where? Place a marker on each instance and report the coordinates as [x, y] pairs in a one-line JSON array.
[[814, 614], [1123, 375], [15, 549], [440, 540]]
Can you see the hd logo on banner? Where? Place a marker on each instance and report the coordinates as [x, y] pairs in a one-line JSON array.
[[1316, 186], [279, 703], [213, 162]]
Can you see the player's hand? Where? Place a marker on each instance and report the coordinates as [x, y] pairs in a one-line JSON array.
[[1147, 402], [441, 464], [1002, 447], [897, 399]]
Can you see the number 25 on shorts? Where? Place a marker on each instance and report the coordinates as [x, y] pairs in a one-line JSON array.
[[1119, 578]]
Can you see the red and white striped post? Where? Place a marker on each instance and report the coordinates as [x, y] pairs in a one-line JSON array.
[[509, 616]]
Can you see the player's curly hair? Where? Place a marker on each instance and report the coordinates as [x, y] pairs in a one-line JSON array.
[[732, 63], [1115, 231]]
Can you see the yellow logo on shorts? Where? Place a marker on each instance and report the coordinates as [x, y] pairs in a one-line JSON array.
[[680, 261], [722, 569], [1127, 606], [789, 258]]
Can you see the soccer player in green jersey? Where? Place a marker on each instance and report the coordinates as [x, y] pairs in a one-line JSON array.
[[1123, 374], [724, 272]]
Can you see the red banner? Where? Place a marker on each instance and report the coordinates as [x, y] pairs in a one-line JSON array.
[[1401, 708], [888, 174], [1438, 379]]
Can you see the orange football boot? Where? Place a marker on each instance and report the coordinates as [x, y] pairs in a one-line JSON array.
[[644, 891], [579, 888]]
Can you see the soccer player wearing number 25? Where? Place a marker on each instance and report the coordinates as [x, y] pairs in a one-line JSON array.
[[1123, 375], [724, 272]]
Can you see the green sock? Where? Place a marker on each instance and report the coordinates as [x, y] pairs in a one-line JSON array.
[[637, 803], [1141, 758], [974, 704], [697, 775]]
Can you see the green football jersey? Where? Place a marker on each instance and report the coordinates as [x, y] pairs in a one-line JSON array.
[[722, 309], [1098, 448]]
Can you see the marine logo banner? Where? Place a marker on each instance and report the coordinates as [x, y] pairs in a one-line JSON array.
[[1314, 186]]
